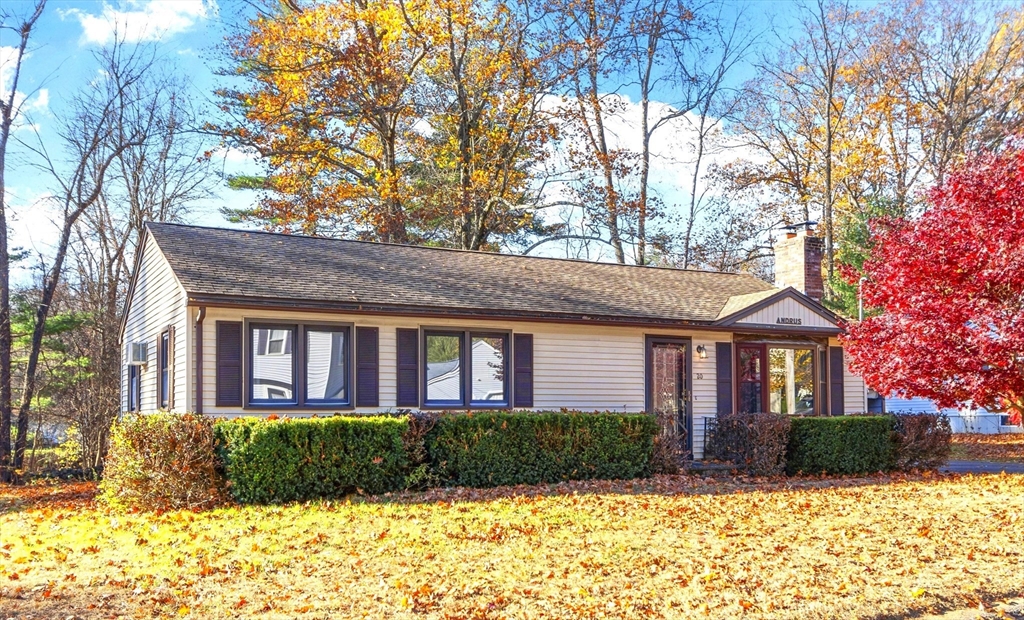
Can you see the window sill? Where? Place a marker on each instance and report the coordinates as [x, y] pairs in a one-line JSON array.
[[295, 405]]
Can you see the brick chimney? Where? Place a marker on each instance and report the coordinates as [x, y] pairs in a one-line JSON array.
[[798, 261]]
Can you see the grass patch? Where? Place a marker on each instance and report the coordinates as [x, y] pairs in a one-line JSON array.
[[663, 547], [1006, 448]]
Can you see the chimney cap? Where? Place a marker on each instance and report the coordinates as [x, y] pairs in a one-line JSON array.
[[807, 226]]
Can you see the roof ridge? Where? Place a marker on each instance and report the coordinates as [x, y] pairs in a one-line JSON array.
[[458, 250]]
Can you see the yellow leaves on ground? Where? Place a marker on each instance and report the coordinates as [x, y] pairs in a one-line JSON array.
[[670, 547], [974, 446]]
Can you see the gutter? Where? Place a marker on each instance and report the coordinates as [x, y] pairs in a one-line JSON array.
[[219, 301], [199, 359]]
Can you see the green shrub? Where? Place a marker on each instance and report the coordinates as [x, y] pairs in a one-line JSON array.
[[289, 459], [161, 461], [924, 440], [68, 453], [841, 445], [754, 442], [502, 448]]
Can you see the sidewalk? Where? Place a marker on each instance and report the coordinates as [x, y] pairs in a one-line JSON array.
[[982, 467]]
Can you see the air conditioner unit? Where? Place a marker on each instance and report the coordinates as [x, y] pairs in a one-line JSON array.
[[138, 353]]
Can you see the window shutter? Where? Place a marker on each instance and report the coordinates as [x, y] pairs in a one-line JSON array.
[[835, 378], [367, 367], [170, 367], [159, 369], [522, 390], [821, 396], [229, 363], [408, 368], [723, 371]]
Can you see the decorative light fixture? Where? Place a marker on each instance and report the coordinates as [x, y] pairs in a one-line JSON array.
[[702, 352]]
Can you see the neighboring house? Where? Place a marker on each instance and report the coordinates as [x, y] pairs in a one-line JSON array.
[[963, 420], [228, 322]]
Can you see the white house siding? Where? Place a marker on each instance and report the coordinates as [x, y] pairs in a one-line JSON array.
[[788, 308], [912, 405], [966, 420], [157, 302], [855, 395], [704, 384], [575, 366]]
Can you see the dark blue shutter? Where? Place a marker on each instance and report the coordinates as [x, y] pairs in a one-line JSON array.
[[821, 396], [229, 364], [522, 372], [723, 372], [170, 367], [408, 368], [367, 367], [835, 379]]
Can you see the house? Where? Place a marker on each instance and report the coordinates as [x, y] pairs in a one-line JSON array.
[[966, 419], [229, 322]]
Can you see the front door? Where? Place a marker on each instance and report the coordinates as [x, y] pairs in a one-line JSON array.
[[668, 388]]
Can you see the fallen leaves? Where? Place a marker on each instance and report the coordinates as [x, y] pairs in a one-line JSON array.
[[976, 447], [664, 547]]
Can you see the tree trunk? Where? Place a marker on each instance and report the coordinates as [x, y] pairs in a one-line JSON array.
[[38, 330], [5, 320], [8, 111], [645, 171], [611, 197]]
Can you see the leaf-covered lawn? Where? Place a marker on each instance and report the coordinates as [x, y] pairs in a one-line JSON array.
[[669, 547], [975, 447]]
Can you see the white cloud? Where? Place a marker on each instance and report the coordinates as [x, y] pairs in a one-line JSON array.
[[32, 227], [142, 20], [8, 55], [41, 101], [673, 146]]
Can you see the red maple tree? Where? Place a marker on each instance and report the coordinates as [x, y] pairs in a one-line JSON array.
[[950, 288]]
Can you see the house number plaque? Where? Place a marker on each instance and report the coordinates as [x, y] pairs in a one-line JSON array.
[[787, 320]]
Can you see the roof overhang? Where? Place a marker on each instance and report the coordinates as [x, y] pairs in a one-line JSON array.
[[349, 307], [137, 262]]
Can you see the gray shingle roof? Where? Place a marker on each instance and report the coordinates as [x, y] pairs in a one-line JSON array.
[[213, 262]]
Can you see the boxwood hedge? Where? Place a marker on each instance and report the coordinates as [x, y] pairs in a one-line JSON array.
[[841, 445], [271, 461], [502, 448]]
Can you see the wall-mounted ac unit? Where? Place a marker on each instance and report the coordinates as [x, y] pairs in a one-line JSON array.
[[138, 353]]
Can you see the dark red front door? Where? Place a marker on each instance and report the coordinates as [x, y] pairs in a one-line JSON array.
[[752, 385]]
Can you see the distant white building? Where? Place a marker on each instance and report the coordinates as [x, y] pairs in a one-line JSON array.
[[963, 420]]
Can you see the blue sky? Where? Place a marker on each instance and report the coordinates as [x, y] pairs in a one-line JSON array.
[[188, 33], [59, 62]]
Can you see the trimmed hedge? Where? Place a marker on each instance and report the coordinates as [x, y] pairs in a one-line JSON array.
[[754, 442], [841, 445], [500, 448], [298, 459], [161, 461], [925, 440]]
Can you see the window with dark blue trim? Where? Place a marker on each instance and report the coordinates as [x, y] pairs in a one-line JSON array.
[[465, 369], [134, 386], [272, 365], [164, 368], [302, 365], [327, 366]]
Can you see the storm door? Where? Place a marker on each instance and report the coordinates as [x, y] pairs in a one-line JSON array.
[[668, 387], [752, 386]]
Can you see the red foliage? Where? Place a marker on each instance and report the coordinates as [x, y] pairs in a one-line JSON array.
[[950, 285]]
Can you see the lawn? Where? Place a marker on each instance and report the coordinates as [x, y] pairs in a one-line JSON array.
[[670, 547], [975, 447]]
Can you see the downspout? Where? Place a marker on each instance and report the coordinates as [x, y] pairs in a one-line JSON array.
[[199, 359]]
